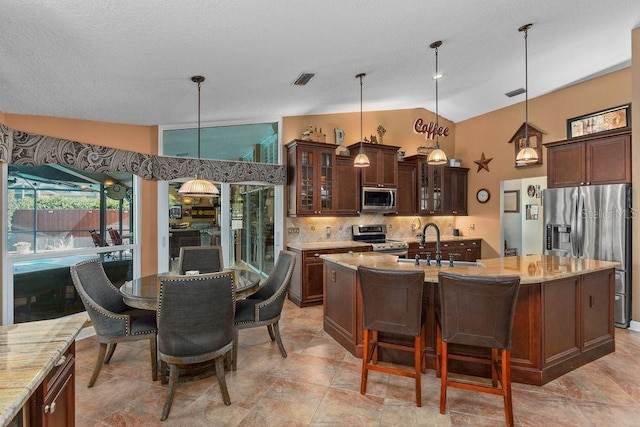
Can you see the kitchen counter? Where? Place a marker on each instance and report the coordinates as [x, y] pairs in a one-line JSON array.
[[432, 239], [28, 352], [563, 317], [329, 244], [530, 268]]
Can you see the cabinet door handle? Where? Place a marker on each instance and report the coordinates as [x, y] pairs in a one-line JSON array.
[[50, 409], [454, 212], [316, 255], [61, 361], [591, 301], [468, 249]]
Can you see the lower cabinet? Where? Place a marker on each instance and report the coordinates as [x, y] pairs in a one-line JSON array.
[[462, 250], [53, 403], [306, 282]]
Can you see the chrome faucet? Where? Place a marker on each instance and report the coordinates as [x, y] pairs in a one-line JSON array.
[[422, 240]]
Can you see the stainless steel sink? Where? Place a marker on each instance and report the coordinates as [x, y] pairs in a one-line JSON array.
[[444, 263]]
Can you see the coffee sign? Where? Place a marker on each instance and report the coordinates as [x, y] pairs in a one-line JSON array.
[[429, 129]]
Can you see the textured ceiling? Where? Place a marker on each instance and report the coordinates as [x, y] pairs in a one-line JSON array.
[[131, 61]]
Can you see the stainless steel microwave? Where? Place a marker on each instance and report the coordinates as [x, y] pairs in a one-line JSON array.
[[378, 200]]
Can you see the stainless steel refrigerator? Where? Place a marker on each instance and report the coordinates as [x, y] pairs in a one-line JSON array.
[[593, 222]]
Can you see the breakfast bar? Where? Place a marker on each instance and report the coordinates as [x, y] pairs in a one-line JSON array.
[[563, 319]]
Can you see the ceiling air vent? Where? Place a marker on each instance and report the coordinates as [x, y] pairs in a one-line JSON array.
[[303, 79], [515, 92]]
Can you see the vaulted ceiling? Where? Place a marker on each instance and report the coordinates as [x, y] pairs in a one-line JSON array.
[[132, 61]]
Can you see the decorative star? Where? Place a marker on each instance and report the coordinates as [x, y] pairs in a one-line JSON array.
[[483, 163]]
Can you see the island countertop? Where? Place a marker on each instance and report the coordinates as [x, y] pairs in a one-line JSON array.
[[328, 244], [530, 268], [28, 352]]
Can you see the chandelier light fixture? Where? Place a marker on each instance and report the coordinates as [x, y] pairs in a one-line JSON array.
[[198, 187], [526, 155], [361, 160], [437, 156]]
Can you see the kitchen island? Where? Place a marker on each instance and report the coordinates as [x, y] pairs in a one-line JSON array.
[[37, 365], [563, 318]]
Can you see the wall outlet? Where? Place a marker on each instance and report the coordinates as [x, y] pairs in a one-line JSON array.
[[472, 226], [293, 230], [328, 231]]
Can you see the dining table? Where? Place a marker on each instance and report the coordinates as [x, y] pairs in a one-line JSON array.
[[143, 292]]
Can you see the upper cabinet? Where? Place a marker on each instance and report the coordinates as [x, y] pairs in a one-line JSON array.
[[347, 187], [312, 174], [383, 167], [441, 190], [603, 158], [407, 185]]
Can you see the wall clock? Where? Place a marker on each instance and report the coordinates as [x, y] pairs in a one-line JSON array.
[[483, 195]]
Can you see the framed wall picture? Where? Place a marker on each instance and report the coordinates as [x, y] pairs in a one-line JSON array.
[[175, 211], [512, 201], [600, 121]]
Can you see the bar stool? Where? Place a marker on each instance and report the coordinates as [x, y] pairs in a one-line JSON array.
[[392, 303], [477, 311]]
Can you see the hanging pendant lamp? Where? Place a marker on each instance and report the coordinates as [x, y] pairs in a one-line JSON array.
[[198, 187], [437, 156], [361, 160], [526, 155]]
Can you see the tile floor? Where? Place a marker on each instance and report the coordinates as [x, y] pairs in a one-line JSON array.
[[318, 385]]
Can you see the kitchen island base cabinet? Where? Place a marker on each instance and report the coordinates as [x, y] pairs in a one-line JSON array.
[[559, 325], [53, 403]]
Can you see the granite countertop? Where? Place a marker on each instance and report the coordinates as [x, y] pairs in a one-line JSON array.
[[329, 244], [28, 352], [432, 239], [530, 268]]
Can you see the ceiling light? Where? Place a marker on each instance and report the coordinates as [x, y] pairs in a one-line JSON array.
[[527, 155], [437, 156], [361, 160], [198, 187]]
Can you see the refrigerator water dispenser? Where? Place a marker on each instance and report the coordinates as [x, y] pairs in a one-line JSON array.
[[558, 237]]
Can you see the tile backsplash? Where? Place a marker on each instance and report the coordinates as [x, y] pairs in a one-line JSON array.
[[318, 229]]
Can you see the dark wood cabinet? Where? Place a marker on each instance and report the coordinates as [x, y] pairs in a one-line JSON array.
[[53, 403], [306, 283], [407, 187], [383, 167], [454, 198], [440, 190], [590, 160], [462, 250], [311, 178], [347, 187], [597, 309]]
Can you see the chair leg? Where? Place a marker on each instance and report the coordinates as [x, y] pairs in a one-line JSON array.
[[365, 360], [163, 372], [112, 348], [153, 349], [173, 380], [234, 350], [494, 368], [276, 332], [506, 386], [96, 370], [270, 329], [417, 354], [375, 347], [222, 382], [443, 378]]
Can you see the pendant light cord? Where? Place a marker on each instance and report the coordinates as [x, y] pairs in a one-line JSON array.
[[437, 115], [526, 90], [360, 76], [199, 119]]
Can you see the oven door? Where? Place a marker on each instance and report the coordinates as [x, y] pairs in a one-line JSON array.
[[399, 252]]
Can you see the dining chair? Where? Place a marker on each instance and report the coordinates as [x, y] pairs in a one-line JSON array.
[[264, 307], [195, 324], [392, 304], [205, 259], [477, 311], [112, 319]]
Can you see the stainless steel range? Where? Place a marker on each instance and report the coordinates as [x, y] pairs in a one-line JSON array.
[[376, 235]]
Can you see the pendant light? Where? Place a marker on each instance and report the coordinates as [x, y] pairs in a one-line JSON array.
[[198, 187], [361, 160], [526, 155], [437, 156]]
